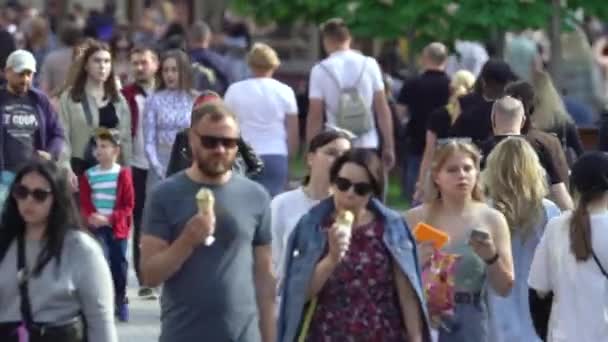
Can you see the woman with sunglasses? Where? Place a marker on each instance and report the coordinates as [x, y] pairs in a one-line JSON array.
[[364, 286], [479, 237], [288, 207], [53, 277]]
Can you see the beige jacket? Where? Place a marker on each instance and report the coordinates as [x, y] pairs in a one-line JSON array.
[[78, 132]]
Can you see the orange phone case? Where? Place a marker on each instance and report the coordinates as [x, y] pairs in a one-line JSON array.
[[424, 232]]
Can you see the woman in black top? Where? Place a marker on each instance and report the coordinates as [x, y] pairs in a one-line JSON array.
[[441, 121]]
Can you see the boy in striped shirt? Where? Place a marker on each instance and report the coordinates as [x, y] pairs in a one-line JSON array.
[[107, 201]]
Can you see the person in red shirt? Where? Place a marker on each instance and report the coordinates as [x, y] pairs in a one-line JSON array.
[[107, 200]]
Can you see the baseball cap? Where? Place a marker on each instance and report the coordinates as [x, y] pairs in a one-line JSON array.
[[590, 173], [112, 135], [21, 60]]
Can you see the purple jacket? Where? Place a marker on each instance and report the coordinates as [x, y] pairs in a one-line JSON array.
[[50, 136]]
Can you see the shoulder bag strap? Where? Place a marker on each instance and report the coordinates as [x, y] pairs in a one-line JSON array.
[[87, 109], [597, 261], [23, 277]]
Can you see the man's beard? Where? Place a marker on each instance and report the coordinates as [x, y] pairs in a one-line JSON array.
[[215, 167]]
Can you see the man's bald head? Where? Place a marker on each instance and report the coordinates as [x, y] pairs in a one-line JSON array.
[[435, 55], [508, 116]]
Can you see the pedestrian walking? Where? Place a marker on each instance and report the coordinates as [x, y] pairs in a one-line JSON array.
[[212, 291], [54, 282], [106, 202]]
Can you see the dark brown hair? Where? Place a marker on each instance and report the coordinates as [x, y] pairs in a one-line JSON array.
[[110, 88], [589, 179], [183, 66], [215, 109], [335, 29], [368, 160]]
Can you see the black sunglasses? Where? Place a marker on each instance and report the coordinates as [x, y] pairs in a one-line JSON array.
[[21, 192], [361, 189], [211, 142]]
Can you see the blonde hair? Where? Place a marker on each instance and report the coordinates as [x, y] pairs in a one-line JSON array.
[[462, 83], [263, 57], [549, 111], [443, 152], [516, 182]]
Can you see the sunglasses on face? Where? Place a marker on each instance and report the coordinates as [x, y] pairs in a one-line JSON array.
[[211, 142], [361, 189], [21, 193]]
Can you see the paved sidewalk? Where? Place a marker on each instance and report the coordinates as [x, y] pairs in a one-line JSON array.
[[144, 323]]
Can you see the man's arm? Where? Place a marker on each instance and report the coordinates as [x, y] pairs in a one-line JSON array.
[[314, 119], [265, 286], [385, 124], [561, 196], [55, 135], [161, 260]]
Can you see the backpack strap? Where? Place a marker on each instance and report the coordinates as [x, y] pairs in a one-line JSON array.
[[335, 79]]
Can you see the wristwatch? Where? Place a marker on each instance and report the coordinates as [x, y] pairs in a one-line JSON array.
[[492, 260]]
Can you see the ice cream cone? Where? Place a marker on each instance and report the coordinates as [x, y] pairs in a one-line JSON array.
[[205, 201]]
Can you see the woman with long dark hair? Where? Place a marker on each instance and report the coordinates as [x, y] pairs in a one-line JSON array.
[[53, 277], [168, 110], [288, 207], [357, 280], [93, 101], [571, 261]]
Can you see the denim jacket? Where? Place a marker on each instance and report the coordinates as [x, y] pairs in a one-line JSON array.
[[306, 247]]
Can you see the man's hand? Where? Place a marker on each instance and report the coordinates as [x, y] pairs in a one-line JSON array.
[[44, 155], [72, 180], [388, 157], [198, 228], [98, 220]]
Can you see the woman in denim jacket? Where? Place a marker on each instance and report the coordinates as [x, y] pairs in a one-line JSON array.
[[364, 285]]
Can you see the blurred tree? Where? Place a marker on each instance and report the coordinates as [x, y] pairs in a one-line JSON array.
[[421, 21]]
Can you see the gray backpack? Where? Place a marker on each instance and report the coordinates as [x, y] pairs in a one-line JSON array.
[[353, 114]]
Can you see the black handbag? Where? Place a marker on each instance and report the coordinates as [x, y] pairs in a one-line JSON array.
[[72, 332]]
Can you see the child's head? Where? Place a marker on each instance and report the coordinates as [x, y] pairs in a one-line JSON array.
[[107, 145]]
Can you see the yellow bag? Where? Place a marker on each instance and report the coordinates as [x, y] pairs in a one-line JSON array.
[[307, 320]]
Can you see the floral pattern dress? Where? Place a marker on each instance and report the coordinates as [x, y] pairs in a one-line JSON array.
[[359, 302]]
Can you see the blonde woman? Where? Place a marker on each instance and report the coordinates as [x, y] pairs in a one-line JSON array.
[[550, 115], [441, 120], [268, 115], [515, 183], [453, 203]]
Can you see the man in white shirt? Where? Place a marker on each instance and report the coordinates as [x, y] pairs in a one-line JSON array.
[[349, 68]]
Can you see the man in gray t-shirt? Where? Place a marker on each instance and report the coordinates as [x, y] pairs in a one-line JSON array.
[[219, 292]]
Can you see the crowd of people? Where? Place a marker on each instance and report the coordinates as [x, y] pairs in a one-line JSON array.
[[121, 138]]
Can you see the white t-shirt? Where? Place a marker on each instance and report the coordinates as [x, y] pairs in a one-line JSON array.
[[346, 66], [286, 210], [261, 105], [580, 302]]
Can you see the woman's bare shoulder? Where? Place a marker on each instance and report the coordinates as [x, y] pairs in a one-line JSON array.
[[416, 215]]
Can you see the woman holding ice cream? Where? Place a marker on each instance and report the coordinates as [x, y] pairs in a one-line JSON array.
[[352, 281]]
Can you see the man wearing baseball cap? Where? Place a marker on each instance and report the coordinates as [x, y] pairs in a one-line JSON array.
[[29, 126]]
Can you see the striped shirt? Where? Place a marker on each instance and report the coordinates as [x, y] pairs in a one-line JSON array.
[[104, 184]]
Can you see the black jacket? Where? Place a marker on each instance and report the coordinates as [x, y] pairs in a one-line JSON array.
[[247, 162]]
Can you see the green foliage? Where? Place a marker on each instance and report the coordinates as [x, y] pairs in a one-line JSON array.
[[427, 20]]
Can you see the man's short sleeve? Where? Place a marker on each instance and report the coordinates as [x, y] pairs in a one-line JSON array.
[[155, 221], [263, 233], [291, 104], [377, 80], [404, 97], [315, 86]]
